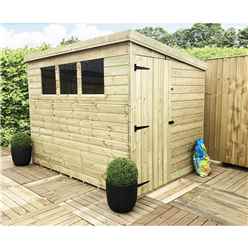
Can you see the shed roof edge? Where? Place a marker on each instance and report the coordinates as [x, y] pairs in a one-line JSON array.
[[120, 37]]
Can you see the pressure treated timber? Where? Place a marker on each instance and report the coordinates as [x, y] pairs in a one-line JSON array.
[[79, 134], [226, 115], [116, 38], [149, 101], [169, 215], [186, 109], [45, 201], [60, 200], [221, 197]]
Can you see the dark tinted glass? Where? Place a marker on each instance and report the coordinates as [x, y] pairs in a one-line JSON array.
[[48, 80], [93, 76], [68, 78]]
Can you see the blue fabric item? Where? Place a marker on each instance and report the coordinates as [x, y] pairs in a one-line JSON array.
[[201, 159], [200, 151]]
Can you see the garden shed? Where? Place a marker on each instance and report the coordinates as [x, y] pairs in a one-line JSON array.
[[121, 95]]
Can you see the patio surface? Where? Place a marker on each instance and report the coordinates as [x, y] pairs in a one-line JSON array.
[[34, 195]]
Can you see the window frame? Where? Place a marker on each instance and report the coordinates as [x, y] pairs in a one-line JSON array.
[[48, 94], [79, 80], [82, 93], [60, 88]]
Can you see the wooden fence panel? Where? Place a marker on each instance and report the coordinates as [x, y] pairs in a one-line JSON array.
[[226, 110]]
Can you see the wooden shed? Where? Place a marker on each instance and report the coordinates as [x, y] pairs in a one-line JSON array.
[[226, 115], [121, 95]]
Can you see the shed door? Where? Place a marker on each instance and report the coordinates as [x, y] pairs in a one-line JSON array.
[[150, 109]]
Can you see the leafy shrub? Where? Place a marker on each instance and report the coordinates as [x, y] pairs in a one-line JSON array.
[[14, 92], [211, 52], [21, 140], [122, 172]]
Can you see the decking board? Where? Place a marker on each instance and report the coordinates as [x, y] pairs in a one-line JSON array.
[[28, 174], [44, 197], [168, 215]]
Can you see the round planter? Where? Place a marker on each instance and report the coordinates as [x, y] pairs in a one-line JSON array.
[[121, 199], [21, 156]]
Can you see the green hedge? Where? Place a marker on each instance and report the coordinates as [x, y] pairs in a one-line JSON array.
[[210, 52], [14, 94]]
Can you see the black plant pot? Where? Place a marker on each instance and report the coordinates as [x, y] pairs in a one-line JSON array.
[[21, 156], [122, 199]]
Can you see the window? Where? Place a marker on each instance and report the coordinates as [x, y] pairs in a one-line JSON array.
[[68, 78], [48, 80], [92, 76]]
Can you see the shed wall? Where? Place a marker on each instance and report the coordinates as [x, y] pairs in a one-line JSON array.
[[79, 134], [186, 109], [226, 115]]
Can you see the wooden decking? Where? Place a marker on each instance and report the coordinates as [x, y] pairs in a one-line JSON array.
[[34, 195], [222, 197]]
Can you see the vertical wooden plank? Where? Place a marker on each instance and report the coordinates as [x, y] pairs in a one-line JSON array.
[[242, 111], [150, 122], [212, 107], [131, 103], [169, 128], [160, 115], [138, 121], [237, 140], [57, 80], [224, 107], [79, 79], [218, 113], [155, 124], [209, 82], [235, 111], [208, 106], [165, 120], [231, 110], [144, 122], [245, 111]]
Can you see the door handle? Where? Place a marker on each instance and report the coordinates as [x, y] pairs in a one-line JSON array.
[[136, 128], [171, 122]]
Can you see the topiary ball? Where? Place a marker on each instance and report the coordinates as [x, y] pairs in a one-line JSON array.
[[122, 172], [21, 140]]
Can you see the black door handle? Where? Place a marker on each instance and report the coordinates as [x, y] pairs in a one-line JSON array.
[[139, 127], [171, 122]]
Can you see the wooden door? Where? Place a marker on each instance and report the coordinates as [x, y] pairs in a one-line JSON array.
[[149, 94]]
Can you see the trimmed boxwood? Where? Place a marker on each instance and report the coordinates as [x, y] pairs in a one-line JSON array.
[[20, 140], [122, 172], [21, 149], [121, 185]]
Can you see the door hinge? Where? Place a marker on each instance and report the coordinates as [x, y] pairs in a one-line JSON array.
[[137, 67], [140, 127]]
